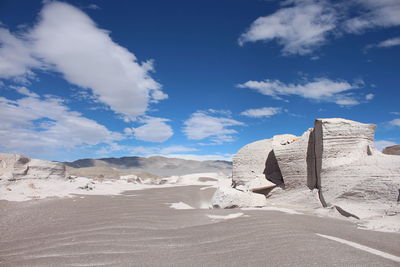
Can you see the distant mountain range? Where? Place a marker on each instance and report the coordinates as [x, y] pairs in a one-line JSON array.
[[392, 150], [156, 165]]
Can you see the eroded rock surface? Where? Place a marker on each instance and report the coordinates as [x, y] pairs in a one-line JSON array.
[[16, 167], [349, 166], [226, 198], [337, 159], [291, 153], [249, 166]]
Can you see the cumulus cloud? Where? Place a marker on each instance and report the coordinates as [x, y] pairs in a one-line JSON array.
[[16, 59], [390, 42], [299, 28], [381, 144], [369, 96], [66, 40], [202, 125], [395, 122], [321, 89], [24, 91], [153, 130], [261, 112], [384, 44], [39, 126], [375, 14]]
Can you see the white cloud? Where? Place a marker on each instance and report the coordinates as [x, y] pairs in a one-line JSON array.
[[24, 91], [69, 42], [381, 144], [261, 112], [395, 122], [299, 28], [156, 150], [375, 14], [369, 96], [176, 149], [154, 130], [93, 6], [201, 125], [35, 126], [384, 44], [16, 59], [223, 112], [321, 89], [389, 42], [199, 157]]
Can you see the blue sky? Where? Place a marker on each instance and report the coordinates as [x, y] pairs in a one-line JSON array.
[[191, 79]]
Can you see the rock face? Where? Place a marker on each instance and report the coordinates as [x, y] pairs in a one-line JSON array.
[[290, 152], [250, 166], [337, 158], [392, 150], [348, 164], [16, 167]]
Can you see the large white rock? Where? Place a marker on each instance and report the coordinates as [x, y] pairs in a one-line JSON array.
[[291, 155], [227, 197], [349, 166], [249, 166], [17, 167], [337, 157]]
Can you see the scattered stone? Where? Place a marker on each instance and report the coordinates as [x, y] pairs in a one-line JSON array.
[[227, 198]]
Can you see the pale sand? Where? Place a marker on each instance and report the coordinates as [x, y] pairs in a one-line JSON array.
[[137, 228], [299, 202]]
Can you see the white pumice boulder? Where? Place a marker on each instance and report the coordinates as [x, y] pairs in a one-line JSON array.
[[249, 165], [337, 159], [15, 167], [227, 197]]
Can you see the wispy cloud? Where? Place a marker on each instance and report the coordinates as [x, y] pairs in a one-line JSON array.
[[390, 42], [321, 89], [301, 26], [374, 14], [381, 144], [66, 40], [202, 125], [395, 122], [34, 125], [385, 44], [153, 130], [369, 97], [261, 112]]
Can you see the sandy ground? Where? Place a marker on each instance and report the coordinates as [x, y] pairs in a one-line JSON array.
[[171, 227]]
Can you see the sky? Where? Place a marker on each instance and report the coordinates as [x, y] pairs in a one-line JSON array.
[[191, 79]]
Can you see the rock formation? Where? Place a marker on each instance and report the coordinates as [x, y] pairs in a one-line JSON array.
[[16, 167], [392, 150], [337, 158]]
